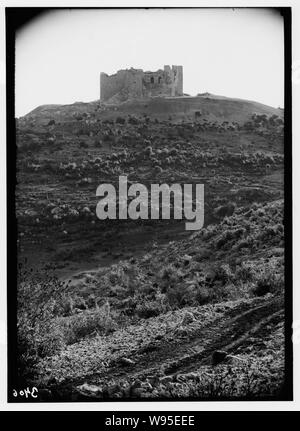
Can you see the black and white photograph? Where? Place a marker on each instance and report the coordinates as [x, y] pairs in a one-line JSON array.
[[149, 204]]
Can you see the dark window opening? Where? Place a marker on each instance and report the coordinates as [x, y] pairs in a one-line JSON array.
[[159, 79], [152, 80]]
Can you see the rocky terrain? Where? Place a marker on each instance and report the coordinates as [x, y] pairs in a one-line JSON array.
[[144, 309]]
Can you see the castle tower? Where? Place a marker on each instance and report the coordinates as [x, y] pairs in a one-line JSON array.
[[178, 80]]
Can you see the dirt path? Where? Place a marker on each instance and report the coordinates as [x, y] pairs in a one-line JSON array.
[[227, 333], [189, 352]]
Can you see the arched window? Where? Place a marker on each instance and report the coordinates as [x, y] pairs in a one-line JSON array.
[[159, 79], [152, 80]]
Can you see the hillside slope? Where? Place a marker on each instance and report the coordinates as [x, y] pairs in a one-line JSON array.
[[153, 327], [141, 308], [213, 108]]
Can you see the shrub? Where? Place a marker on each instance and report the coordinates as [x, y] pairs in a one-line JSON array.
[[268, 282], [133, 120], [86, 323], [202, 295], [167, 276], [148, 309], [224, 274], [225, 210], [40, 300], [176, 295], [120, 120], [245, 272]]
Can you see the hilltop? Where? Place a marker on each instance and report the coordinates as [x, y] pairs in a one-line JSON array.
[[208, 106]]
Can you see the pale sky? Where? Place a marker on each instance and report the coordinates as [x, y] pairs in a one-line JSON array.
[[234, 53]]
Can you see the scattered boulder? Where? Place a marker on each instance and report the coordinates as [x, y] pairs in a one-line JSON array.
[[136, 384], [191, 376], [89, 390], [31, 213], [126, 362], [147, 386], [234, 360], [186, 259], [166, 379]]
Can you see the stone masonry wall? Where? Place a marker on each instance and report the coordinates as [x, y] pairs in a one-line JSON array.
[[135, 83]]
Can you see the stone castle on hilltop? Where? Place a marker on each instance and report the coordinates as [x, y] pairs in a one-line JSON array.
[[136, 84]]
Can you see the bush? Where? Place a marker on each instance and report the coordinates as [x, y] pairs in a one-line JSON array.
[[176, 296], [268, 282], [40, 300], [120, 120], [225, 210], [203, 295], [168, 276], [148, 309], [224, 274], [86, 323], [245, 272], [133, 120]]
